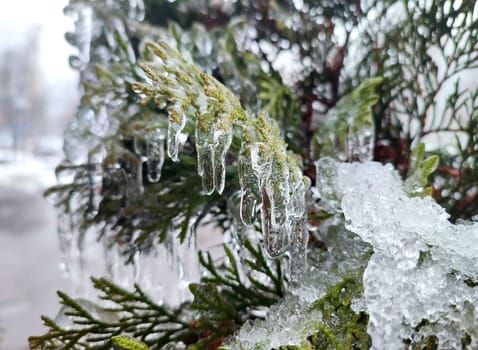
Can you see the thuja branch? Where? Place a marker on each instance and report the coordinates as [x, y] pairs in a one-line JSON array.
[[269, 174], [222, 303]]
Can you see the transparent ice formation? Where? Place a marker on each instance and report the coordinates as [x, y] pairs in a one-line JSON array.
[[176, 138], [166, 271], [298, 186], [279, 192], [348, 131], [114, 173], [419, 281], [150, 145], [292, 319], [263, 163], [211, 147]]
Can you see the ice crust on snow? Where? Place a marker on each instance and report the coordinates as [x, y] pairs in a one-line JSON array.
[[423, 267]]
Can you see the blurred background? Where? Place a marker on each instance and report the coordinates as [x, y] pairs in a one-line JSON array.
[[38, 96]]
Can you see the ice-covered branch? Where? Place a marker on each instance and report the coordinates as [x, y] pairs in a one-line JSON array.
[[271, 178]]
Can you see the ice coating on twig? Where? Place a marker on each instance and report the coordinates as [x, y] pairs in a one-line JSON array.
[[275, 214], [193, 94], [250, 187], [348, 131], [420, 280], [263, 176], [212, 145], [176, 138]]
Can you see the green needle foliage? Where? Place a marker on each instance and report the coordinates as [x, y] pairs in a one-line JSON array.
[[302, 79], [225, 299]]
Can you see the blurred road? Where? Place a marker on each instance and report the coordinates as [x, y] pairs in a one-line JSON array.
[[29, 260]]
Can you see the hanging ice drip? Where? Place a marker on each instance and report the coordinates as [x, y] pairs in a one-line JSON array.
[[212, 143], [150, 145], [95, 177], [165, 270], [264, 180], [264, 166], [242, 234], [275, 216], [175, 137], [298, 185], [347, 135], [251, 186]]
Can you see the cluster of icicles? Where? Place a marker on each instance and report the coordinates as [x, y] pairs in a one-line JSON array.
[[272, 186], [271, 179]]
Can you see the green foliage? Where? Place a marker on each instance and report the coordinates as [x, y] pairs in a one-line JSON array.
[[424, 56], [341, 327], [456, 177], [222, 302], [420, 170], [124, 343]]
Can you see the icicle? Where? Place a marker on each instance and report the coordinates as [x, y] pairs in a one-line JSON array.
[[132, 166], [83, 17], [154, 154], [240, 233], [249, 187], [326, 179], [212, 144], [176, 138], [65, 236], [360, 143], [298, 249], [150, 145], [253, 173], [275, 201], [95, 177], [273, 188], [188, 264], [114, 183], [205, 156], [165, 271], [222, 142], [298, 216], [114, 256], [65, 229]]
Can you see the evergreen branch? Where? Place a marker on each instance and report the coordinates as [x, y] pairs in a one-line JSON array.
[[192, 93], [257, 291], [221, 304], [134, 314]]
